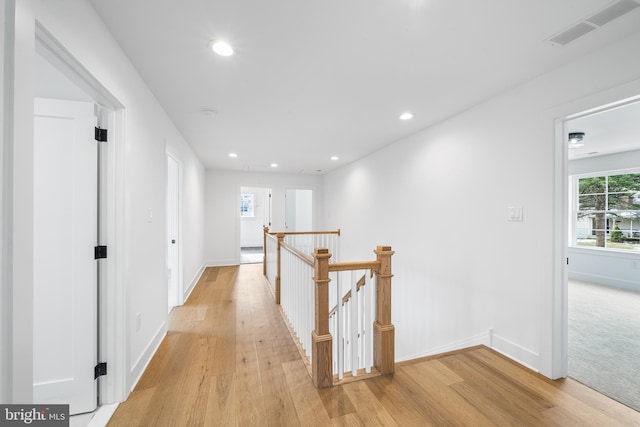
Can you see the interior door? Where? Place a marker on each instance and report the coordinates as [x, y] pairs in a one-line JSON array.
[[65, 269], [173, 232]]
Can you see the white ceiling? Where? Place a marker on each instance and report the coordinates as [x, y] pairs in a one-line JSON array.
[[611, 131], [310, 80]]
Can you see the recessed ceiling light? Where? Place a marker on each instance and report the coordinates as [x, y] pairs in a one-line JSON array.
[[406, 116], [274, 165], [233, 155], [335, 158], [221, 47]]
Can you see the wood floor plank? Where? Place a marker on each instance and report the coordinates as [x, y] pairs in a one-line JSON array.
[[228, 360], [336, 402], [132, 412], [221, 401], [491, 397], [370, 412], [435, 379], [590, 406], [309, 406], [398, 401]]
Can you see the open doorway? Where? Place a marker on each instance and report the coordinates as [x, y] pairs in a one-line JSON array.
[[298, 209], [60, 168], [603, 215], [255, 214]]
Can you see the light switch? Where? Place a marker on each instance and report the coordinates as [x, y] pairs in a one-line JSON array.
[[515, 214]]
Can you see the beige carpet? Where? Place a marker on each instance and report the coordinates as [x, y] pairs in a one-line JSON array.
[[604, 340]]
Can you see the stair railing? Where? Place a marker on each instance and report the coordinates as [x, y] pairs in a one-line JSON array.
[[360, 320]]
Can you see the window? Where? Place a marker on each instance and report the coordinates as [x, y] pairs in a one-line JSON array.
[[608, 211], [246, 205]]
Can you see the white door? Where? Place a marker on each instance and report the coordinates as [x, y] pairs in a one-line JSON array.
[[64, 237], [173, 232]]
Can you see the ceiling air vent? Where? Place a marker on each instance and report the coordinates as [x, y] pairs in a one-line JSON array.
[[612, 12], [572, 33], [596, 20]]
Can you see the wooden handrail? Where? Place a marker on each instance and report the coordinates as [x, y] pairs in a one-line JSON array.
[[306, 258], [358, 265]]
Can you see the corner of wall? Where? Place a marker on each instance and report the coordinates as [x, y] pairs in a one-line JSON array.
[[143, 361], [515, 352], [193, 283]]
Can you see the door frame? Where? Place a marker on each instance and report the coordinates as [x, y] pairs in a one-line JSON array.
[[177, 298], [619, 95], [268, 190], [112, 317], [313, 204]]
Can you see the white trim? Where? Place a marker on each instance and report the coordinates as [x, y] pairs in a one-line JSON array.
[[558, 366], [193, 283], [103, 415], [606, 281], [604, 252], [113, 325], [143, 361], [5, 212], [617, 96], [516, 352], [222, 262], [483, 338], [180, 291]]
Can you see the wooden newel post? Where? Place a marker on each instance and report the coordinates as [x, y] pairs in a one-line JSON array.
[[321, 351], [264, 250], [383, 329], [280, 237]]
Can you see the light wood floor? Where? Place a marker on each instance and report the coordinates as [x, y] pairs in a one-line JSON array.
[[228, 360]]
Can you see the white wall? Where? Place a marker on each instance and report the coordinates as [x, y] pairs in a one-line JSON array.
[[222, 230], [5, 306], [454, 284], [604, 266], [145, 129]]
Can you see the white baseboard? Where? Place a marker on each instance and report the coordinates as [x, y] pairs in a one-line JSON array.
[[515, 352], [192, 284], [604, 280], [479, 339], [222, 262], [143, 361], [103, 415]]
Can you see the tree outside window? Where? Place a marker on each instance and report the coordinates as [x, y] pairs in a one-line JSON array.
[[608, 214]]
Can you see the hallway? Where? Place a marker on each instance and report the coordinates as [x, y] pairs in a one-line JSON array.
[[228, 360]]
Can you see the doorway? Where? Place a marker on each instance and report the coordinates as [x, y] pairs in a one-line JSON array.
[[174, 241], [255, 214], [603, 289], [298, 209], [60, 78]]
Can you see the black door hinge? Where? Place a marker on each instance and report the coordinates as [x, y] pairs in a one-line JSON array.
[[100, 252], [100, 370], [101, 135]]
